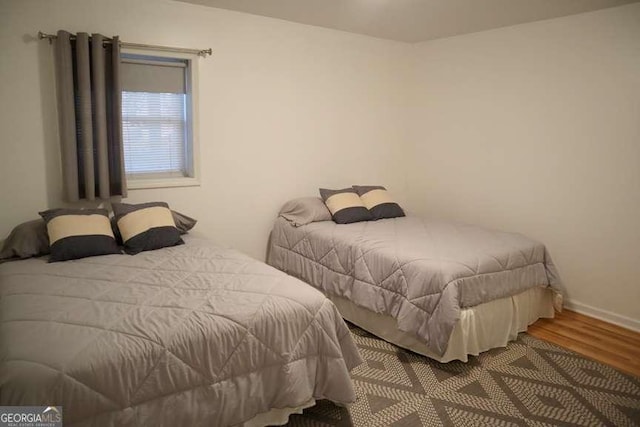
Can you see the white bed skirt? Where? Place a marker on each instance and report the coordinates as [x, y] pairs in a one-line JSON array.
[[480, 328], [277, 416]]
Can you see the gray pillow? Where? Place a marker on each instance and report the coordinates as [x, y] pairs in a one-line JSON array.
[[183, 222], [26, 240], [30, 239], [305, 210]]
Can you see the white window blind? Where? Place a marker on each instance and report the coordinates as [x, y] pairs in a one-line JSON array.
[[154, 118]]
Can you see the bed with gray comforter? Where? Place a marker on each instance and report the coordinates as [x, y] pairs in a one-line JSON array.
[[189, 335], [420, 272]]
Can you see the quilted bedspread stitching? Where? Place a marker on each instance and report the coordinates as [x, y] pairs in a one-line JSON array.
[[245, 264], [362, 243]]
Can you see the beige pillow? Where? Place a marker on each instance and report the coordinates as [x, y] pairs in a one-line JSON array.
[[146, 226], [79, 233], [345, 205], [379, 202]]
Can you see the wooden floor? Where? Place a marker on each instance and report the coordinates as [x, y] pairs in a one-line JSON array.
[[593, 338]]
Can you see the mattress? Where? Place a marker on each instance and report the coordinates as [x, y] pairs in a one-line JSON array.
[[420, 272], [189, 335]]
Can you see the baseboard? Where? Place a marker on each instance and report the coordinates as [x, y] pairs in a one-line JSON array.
[[607, 316]]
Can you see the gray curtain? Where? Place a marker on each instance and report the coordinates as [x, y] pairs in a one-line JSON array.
[[90, 112]]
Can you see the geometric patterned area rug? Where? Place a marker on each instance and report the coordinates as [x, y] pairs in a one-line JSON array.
[[529, 383]]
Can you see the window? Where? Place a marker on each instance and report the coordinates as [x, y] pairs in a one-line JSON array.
[[157, 121]]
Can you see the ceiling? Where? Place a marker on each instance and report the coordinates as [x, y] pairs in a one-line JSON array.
[[412, 20]]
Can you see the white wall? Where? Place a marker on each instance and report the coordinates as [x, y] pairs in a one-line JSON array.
[[285, 108], [536, 128], [533, 128]]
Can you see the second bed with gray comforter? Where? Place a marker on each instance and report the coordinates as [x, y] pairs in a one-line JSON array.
[[418, 271]]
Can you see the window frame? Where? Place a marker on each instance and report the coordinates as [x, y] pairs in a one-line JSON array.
[[192, 146]]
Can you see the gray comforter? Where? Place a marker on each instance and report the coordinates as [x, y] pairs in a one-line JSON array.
[[190, 335], [418, 271]]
